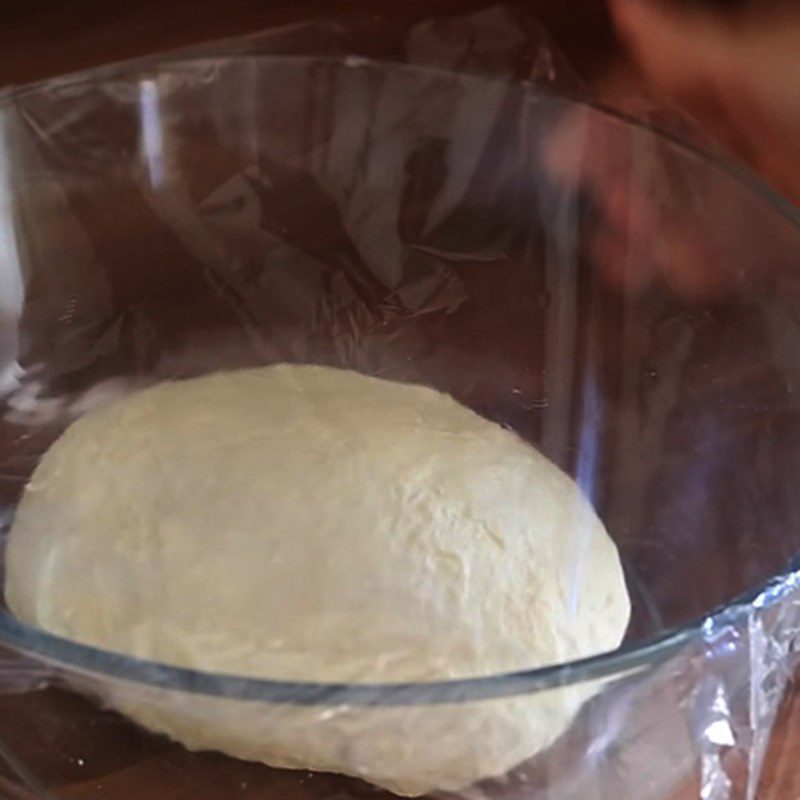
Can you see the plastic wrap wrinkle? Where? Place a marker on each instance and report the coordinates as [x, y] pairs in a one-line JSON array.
[[749, 663], [284, 197]]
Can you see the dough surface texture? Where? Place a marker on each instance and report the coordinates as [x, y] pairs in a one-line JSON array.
[[306, 523]]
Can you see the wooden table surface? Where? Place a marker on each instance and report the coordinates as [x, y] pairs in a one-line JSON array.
[[41, 38]]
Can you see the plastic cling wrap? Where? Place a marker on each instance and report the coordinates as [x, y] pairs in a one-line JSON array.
[[440, 207]]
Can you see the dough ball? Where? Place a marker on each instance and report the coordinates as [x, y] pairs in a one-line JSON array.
[[312, 524]]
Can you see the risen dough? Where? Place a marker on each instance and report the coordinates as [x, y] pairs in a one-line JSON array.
[[313, 524]]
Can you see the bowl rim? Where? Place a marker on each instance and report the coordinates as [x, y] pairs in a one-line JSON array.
[[68, 655], [95, 663]]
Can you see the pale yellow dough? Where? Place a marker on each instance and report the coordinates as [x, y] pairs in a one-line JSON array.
[[311, 524]]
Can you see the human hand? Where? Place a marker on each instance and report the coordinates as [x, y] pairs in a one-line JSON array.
[[738, 77], [665, 215]]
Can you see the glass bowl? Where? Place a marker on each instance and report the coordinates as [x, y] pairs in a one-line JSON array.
[[622, 299]]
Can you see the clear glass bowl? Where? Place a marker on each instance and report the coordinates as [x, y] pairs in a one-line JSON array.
[[622, 299]]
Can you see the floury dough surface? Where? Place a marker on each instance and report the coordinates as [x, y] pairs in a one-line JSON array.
[[312, 524]]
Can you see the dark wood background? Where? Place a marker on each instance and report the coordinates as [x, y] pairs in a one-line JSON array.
[[42, 38]]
